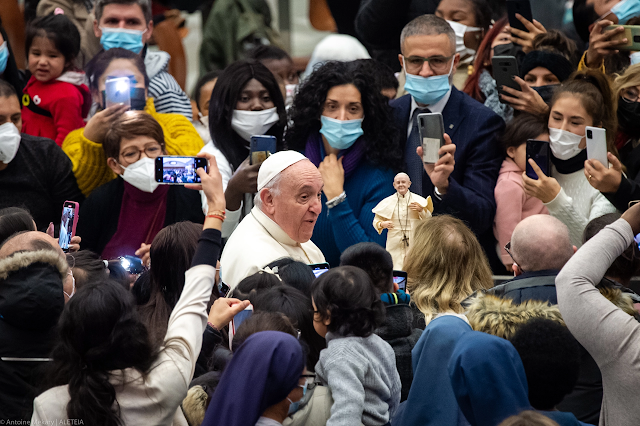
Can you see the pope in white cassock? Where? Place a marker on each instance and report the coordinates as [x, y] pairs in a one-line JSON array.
[[281, 223], [399, 214]]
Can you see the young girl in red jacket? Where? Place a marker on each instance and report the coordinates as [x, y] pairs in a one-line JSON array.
[[56, 98]]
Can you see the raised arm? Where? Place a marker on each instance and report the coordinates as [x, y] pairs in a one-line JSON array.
[[602, 328]]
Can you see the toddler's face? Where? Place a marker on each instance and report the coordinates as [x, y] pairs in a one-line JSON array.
[[45, 61]]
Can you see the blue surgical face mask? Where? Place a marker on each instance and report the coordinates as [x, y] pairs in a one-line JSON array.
[[4, 57], [341, 134], [123, 38], [635, 58], [428, 90], [294, 406]]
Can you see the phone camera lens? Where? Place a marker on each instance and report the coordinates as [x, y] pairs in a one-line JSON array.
[[589, 134]]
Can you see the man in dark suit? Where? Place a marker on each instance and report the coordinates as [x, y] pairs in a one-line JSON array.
[[461, 183]]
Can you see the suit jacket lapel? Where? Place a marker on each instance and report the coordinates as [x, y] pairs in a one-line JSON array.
[[452, 117]]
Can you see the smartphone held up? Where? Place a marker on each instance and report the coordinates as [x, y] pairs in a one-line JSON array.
[[176, 170], [68, 224], [432, 134], [117, 91]]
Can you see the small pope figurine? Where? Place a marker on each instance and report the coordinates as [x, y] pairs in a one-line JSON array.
[[399, 214]]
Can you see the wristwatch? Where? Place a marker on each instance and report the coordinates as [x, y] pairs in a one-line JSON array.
[[337, 200]]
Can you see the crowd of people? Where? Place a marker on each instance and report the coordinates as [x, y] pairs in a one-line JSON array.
[[344, 280]]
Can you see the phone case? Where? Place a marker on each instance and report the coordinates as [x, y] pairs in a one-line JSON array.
[[261, 147], [540, 152], [504, 69], [523, 7], [597, 145], [64, 237], [432, 134], [631, 33]]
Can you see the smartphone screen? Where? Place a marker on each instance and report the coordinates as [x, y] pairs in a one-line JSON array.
[[400, 278], [173, 170], [238, 319], [319, 268], [539, 151], [68, 224], [262, 147], [117, 91]]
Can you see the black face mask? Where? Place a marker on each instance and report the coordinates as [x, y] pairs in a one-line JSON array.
[[546, 92], [508, 49], [138, 99], [629, 117]]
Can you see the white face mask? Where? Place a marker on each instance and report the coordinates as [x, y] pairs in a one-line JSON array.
[[249, 123], [291, 90], [466, 53], [204, 119], [564, 145], [9, 142], [141, 174]]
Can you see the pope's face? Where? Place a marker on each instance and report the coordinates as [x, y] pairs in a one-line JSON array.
[[297, 207], [401, 184]]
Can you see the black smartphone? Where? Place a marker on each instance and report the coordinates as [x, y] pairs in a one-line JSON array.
[[68, 222], [432, 134], [175, 170], [319, 268], [400, 278], [504, 69], [261, 146], [523, 7], [540, 152]]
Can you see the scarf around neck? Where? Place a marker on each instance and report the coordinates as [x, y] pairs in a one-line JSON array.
[[314, 151]]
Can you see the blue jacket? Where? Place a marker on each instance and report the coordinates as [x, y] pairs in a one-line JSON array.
[[351, 221], [474, 129]]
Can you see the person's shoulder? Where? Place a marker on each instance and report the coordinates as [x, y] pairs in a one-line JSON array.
[[107, 191], [401, 102], [472, 106], [38, 143], [53, 402], [156, 62]]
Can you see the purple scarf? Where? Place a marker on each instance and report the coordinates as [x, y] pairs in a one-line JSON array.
[[314, 151]]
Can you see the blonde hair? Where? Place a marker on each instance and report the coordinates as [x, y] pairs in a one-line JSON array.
[[445, 265], [528, 418], [630, 78]]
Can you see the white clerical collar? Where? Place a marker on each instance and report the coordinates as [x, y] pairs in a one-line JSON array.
[[273, 228]]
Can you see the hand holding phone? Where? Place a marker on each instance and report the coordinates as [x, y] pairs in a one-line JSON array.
[[505, 68], [68, 223], [400, 278], [522, 7]]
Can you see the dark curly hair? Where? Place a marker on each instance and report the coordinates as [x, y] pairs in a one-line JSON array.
[[223, 101], [352, 303], [99, 331], [381, 132]]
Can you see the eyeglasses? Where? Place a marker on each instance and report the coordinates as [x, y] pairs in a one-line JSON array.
[[630, 95], [438, 64], [133, 154], [507, 248]]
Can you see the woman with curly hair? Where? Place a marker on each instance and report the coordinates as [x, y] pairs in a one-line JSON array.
[[342, 123]]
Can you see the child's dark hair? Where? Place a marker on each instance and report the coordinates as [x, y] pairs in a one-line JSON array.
[[524, 126], [295, 274], [210, 76], [347, 294], [374, 260], [251, 285], [379, 73], [262, 321], [62, 33]]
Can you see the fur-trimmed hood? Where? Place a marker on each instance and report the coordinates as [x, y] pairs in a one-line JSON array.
[[502, 317], [31, 295]]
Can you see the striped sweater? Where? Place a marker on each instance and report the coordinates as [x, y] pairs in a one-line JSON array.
[[90, 163], [163, 88]]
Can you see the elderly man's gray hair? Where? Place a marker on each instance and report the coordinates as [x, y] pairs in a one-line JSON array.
[[273, 186], [541, 242], [428, 25]]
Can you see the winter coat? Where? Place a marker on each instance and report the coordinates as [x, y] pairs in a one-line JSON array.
[[31, 301]]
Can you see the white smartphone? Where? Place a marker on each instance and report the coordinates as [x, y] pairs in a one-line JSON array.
[[597, 145]]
